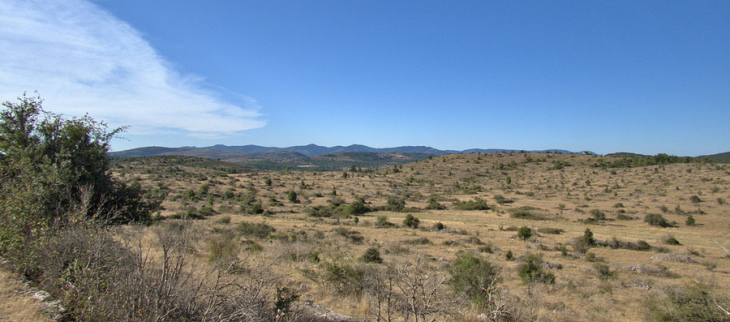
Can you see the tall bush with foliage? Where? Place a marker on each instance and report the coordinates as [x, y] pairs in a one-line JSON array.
[[475, 278], [54, 171]]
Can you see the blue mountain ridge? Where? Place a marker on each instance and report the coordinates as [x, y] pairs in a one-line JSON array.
[[313, 150]]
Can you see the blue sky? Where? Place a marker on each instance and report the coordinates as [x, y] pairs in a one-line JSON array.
[[607, 76]]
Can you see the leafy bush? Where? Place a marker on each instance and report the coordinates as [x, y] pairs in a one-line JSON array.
[[526, 213], [419, 241], [669, 239], [395, 204], [656, 220], [292, 196], [433, 204], [603, 271], [509, 255], [690, 221], [531, 271], [258, 230], [524, 233], [356, 207], [476, 204], [475, 278], [372, 255], [693, 302], [56, 170], [502, 200], [344, 278], [382, 221], [552, 231], [598, 215], [585, 242], [411, 221], [588, 237]]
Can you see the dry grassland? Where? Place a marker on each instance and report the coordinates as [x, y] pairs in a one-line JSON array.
[[16, 303], [556, 193]]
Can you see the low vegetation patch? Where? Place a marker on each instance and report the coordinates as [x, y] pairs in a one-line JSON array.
[[657, 221], [552, 231], [528, 213], [258, 230], [476, 204]]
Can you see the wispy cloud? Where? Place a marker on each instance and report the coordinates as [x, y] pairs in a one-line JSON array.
[[81, 59]]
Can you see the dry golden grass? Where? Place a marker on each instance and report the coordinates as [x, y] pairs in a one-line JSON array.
[[16, 302], [565, 197]]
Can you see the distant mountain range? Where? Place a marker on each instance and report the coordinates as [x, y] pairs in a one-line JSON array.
[[316, 158], [262, 152]]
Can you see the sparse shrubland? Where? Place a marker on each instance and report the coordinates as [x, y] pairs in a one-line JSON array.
[[562, 240]]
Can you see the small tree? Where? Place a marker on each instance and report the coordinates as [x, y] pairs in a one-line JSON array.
[[56, 170], [598, 215], [524, 233], [372, 255], [475, 278], [656, 220], [690, 221], [588, 237], [395, 204], [531, 271], [292, 196], [411, 221]]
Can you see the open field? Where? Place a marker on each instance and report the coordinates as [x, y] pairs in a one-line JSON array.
[[320, 228]]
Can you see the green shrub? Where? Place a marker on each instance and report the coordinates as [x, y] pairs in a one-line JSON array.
[[382, 221], [690, 221], [344, 278], [356, 207], [669, 239], [526, 213], [642, 245], [395, 204], [474, 277], [656, 220], [531, 271], [502, 200], [598, 215], [292, 197], [410, 221], [692, 302], [433, 204], [524, 233], [476, 204], [419, 241], [552, 231], [258, 230], [56, 171], [603, 271], [371, 255], [588, 237]]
